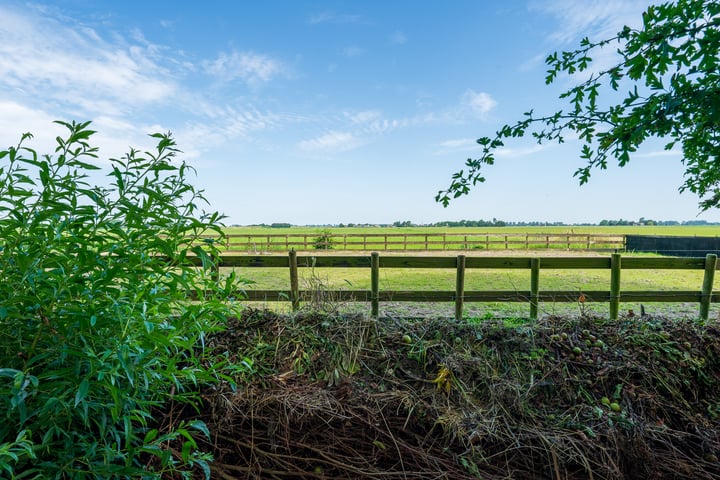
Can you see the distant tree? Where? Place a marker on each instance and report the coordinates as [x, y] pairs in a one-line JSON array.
[[672, 68]]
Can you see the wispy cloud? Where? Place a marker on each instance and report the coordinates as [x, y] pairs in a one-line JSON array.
[[331, 142], [360, 128], [330, 17], [42, 58], [364, 116], [56, 68], [507, 152], [675, 152], [456, 145], [398, 38], [249, 67], [471, 147], [352, 51], [596, 19]]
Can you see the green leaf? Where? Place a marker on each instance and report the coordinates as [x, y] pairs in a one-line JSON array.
[[150, 435], [200, 426], [9, 372], [82, 391]]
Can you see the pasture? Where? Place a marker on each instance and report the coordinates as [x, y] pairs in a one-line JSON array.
[[366, 239], [329, 286], [683, 230]]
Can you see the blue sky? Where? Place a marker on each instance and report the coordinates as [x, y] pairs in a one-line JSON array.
[[318, 112]]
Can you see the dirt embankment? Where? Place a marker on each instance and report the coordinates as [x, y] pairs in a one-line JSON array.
[[347, 397]]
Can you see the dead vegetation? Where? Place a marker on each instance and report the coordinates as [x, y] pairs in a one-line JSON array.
[[347, 397]]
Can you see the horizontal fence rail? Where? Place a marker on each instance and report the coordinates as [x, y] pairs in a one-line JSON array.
[[421, 241], [461, 263]]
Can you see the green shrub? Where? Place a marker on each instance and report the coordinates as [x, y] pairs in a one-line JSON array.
[[96, 328], [323, 240]]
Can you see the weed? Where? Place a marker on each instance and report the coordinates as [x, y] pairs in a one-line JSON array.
[[318, 294]]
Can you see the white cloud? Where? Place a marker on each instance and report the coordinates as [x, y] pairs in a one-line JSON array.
[[506, 152], [352, 51], [114, 136], [70, 65], [595, 18], [54, 68], [675, 152], [330, 17], [364, 116], [398, 38], [331, 142], [532, 63], [16, 119], [480, 103], [456, 145], [250, 67]]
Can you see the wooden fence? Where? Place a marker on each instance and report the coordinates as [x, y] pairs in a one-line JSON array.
[[374, 263], [258, 243]]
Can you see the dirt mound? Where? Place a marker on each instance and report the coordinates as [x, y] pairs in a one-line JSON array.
[[347, 397]]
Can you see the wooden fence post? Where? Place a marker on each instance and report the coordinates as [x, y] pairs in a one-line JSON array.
[[294, 284], [375, 284], [707, 285], [534, 287], [615, 268], [460, 287]]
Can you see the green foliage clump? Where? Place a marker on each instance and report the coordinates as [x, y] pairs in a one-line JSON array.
[[323, 240], [97, 327]]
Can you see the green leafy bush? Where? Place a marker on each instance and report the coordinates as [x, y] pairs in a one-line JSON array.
[[97, 326], [324, 240]]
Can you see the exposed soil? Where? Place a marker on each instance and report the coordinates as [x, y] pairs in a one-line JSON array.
[[348, 397]]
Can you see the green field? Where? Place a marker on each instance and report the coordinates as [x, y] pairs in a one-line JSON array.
[[685, 230], [433, 279], [517, 280], [590, 238]]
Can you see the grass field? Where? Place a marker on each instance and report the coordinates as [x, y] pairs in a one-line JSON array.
[[689, 230], [481, 280], [434, 279], [590, 238]]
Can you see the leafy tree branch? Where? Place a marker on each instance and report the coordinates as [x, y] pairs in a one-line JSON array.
[[670, 67]]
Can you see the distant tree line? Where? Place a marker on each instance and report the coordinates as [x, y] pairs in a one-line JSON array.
[[496, 223], [646, 221]]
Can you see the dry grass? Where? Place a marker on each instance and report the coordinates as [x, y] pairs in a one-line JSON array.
[[347, 397]]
